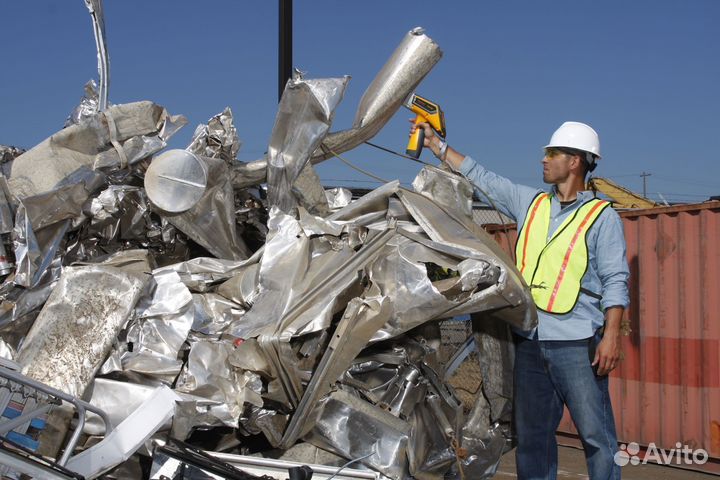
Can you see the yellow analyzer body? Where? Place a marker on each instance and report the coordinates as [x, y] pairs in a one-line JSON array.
[[427, 112]]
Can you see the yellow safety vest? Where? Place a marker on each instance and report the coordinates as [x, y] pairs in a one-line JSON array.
[[554, 267]]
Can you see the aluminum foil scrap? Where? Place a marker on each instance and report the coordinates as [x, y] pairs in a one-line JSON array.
[[213, 318]]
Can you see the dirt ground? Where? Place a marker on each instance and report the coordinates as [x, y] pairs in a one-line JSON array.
[[571, 465]]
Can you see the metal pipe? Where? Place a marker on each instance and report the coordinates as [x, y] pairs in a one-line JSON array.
[[284, 44], [96, 12]]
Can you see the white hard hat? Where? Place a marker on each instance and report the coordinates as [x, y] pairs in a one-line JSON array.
[[578, 136]]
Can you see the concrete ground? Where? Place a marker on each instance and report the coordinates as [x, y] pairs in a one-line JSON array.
[[571, 465]]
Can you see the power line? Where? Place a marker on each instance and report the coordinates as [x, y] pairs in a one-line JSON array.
[[686, 181]]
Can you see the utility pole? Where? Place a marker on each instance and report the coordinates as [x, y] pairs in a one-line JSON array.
[[644, 175], [285, 44]]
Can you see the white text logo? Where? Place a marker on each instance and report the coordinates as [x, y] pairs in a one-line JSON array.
[[680, 455]]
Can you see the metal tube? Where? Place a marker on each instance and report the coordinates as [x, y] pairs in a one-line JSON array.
[[284, 44], [75, 436]]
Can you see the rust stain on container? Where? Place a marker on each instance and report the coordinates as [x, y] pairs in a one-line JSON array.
[[667, 389]]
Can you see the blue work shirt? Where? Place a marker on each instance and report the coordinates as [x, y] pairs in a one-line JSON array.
[[607, 273]]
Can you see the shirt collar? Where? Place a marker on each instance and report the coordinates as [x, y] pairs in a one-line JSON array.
[[583, 195]]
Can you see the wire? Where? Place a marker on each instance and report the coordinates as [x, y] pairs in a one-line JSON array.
[[346, 162], [685, 181], [385, 149], [350, 463]]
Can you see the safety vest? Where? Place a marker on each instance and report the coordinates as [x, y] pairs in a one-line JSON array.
[[554, 267]]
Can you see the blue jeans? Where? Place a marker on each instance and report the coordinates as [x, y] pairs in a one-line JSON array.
[[548, 375]]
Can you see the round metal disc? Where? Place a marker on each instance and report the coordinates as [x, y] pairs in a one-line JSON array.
[[176, 180]]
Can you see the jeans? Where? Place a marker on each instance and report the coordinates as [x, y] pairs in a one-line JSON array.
[[548, 375]]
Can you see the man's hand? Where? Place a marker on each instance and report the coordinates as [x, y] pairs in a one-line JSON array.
[[607, 354], [431, 141]]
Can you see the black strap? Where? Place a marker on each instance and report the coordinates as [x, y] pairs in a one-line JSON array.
[[591, 294]]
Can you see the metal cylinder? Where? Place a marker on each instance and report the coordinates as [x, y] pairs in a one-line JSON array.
[[176, 180]]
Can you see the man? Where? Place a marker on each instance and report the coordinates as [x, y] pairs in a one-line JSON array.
[[571, 252]]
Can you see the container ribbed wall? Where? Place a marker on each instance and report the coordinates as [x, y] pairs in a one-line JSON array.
[[667, 388]]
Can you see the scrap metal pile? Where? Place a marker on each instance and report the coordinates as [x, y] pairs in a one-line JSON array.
[[167, 289]]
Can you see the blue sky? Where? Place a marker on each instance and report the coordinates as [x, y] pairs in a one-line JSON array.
[[644, 73]]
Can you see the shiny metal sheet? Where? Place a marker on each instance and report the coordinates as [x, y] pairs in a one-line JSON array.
[[283, 265], [211, 221], [353, 428], [361, 320], [209, 375], [213, 313], [46, 166], [338, 197], [78, 325], [176, 180], [217, 139], [161, 326], [305, 113]]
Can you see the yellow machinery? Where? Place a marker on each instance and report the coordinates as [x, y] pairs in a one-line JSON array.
[[620, 196]]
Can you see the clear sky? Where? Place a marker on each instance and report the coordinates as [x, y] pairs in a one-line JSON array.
[[644, 73]]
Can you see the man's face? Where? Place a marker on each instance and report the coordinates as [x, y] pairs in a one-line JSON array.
[[556, 166]]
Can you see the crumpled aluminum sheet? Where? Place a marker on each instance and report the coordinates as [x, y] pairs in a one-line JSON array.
[[8, 153], [305, 113], [307, 302], [242, 287], [200, 273], [87, 107], [119, 213], [445, 230], [452, 192], [338, 198], [211, 222], [210, 375], [118, 400], [217, 139], [360, 320], [411, 61], [6, 211], [283, 265], [6, 351], [353, 428], [20, 306], [48, 165], [77, 326], [405, 280], [34, 252], [213, 313], [370, 207], [160, 328]]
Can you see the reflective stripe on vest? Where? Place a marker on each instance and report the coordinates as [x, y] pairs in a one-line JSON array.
[[554, 267]]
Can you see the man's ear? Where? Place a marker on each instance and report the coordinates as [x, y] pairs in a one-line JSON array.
[[576, 162]]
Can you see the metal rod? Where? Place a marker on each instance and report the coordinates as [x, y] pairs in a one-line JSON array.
[[284, 44]]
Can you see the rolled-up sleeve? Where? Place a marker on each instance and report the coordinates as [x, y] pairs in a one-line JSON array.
[[612, 265]]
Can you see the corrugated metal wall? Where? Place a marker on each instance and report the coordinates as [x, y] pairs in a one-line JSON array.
[[667, 389]]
